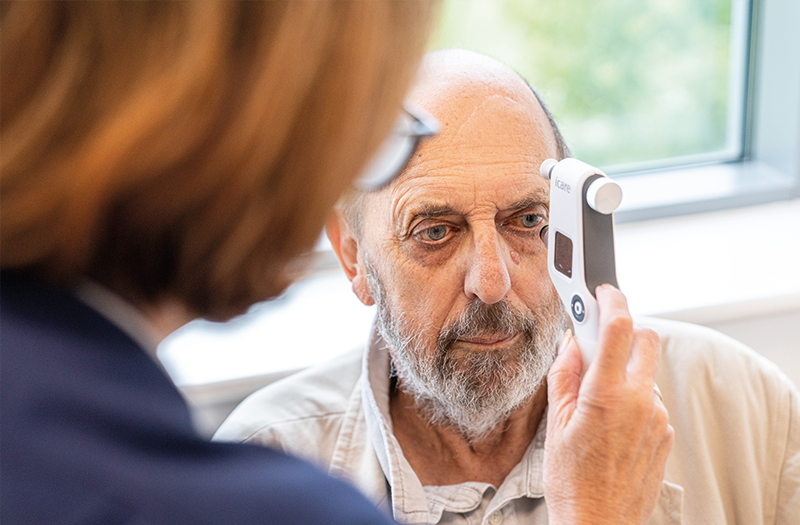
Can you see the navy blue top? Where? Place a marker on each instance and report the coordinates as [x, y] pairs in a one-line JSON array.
[[92, 431]]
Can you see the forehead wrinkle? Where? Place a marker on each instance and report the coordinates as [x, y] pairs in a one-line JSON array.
[[488, 100], [509, 131], [405, 195], [439, 184], [451, 154], [468, 161]]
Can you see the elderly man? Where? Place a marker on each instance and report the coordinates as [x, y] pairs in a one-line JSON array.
[[459, 411]]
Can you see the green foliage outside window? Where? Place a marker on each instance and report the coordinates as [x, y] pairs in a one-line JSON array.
[[627, 80]]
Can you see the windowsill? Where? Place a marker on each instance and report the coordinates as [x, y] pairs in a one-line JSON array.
[[700, 268], [701, 189]]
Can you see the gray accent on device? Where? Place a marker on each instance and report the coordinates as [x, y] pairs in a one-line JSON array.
[[598, 244]]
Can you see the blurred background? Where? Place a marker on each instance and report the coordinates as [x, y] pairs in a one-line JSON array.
[[692, 105], [644, 82]]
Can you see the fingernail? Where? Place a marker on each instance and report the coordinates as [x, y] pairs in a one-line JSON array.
[[565, 340]]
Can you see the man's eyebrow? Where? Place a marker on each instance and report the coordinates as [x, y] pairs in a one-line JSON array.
[[429, 210], [535, 198], [432, 211]]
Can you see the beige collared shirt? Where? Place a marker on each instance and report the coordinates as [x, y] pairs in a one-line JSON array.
[[736, 457], [519, 499]]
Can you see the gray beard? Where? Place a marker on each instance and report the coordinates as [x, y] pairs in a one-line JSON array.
[[472, 392]]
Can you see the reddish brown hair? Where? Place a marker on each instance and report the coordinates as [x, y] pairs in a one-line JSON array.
[[190, 150]]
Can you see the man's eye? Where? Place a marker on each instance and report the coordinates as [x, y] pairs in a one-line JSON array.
[[435, 233], [530, 220]]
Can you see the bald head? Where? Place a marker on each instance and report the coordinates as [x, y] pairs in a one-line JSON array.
[[461, 87], [451, 83]]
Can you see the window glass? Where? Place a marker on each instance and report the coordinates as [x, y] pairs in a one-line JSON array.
[[632, 83]]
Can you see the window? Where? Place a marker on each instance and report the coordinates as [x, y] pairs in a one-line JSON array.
[[687, 92], [630, 82]]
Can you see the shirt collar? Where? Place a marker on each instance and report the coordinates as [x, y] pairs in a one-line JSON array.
[[411, 502], [121, 314]]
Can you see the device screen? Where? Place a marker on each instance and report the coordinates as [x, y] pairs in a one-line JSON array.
[[563, 255]]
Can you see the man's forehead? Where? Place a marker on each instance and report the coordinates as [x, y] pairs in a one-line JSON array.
[[508, 130], [494, 136], [488, 114]]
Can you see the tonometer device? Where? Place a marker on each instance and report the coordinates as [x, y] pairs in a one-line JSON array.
[[580, 242]]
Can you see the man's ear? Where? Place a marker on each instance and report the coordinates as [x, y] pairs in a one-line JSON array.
[[345, 245]]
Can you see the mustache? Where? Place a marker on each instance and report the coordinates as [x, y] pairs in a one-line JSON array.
[[480, 319]]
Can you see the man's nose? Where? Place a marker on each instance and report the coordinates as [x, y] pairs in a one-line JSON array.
[[487, 275]]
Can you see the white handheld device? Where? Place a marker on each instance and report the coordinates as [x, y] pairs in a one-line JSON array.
[[580, 242]]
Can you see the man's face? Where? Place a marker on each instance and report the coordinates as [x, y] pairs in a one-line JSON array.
[[457, 265]]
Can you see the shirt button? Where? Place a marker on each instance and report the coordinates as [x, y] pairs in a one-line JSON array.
[[496, 518]]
